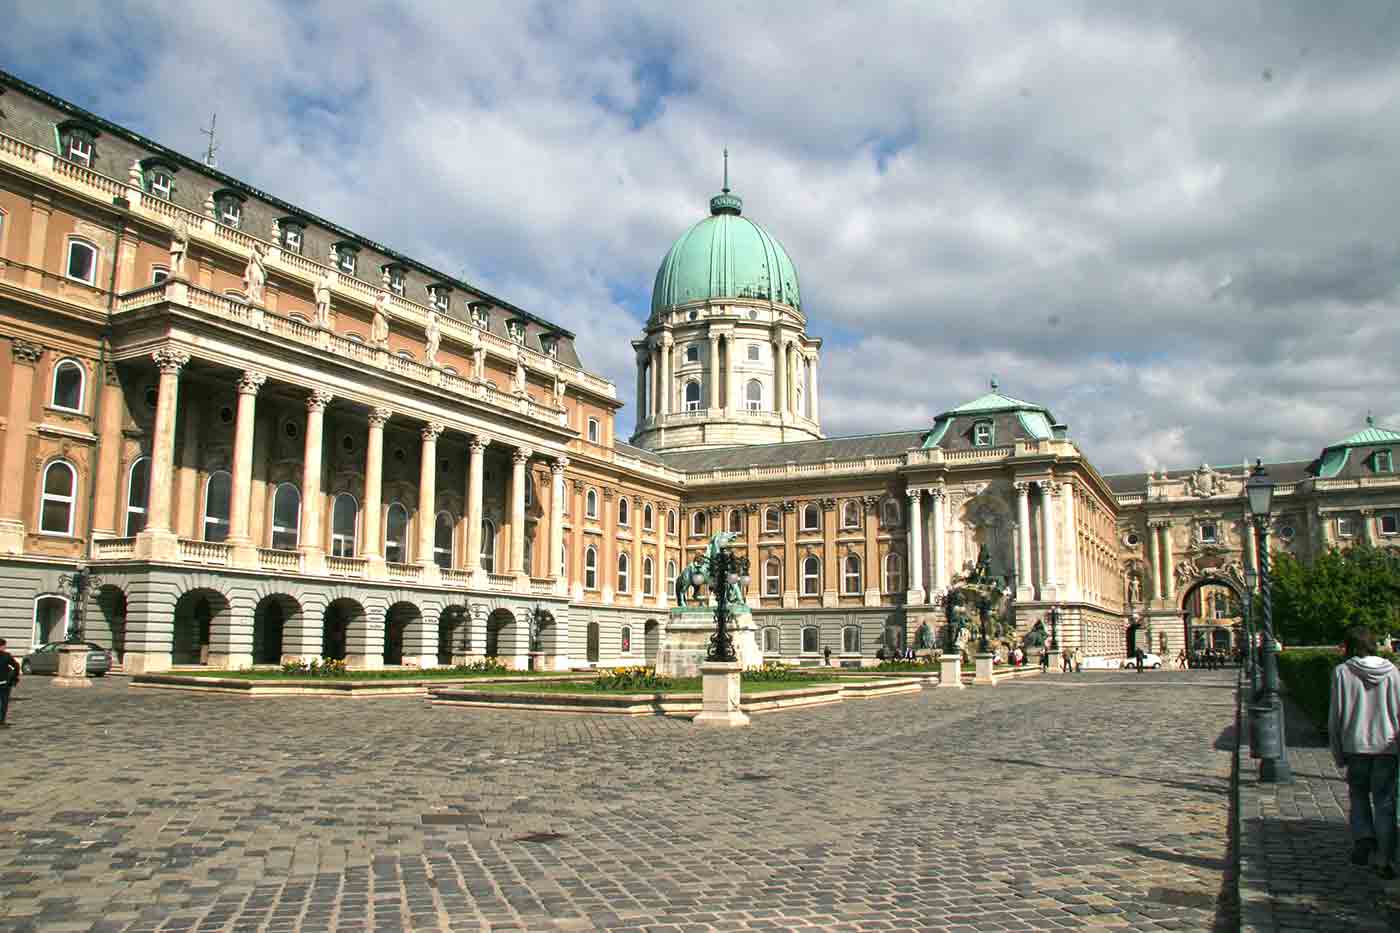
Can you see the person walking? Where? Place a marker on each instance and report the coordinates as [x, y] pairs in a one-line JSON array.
[[1363, 721], [1065, 661], [1044, 660], [1139, 656], [9, 679]]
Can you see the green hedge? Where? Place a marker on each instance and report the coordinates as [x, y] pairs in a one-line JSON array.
[[1307, 674]]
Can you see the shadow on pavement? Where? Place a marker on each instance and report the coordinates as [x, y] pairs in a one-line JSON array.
[[1183, 785]]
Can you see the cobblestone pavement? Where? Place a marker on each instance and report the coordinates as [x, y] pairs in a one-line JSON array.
[[1295, 872], [1066, 801]]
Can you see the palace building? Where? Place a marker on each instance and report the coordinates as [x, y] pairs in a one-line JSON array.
[[268, 437]]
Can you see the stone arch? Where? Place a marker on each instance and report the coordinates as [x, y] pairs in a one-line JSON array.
[[651, 640], [453, 635], [346, 634], [111, 616], [501, 633], [1208, 637], [273, 616], [198, 612], [397, 619]]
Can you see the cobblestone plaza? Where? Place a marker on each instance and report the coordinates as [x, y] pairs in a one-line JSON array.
[[1033, 805]]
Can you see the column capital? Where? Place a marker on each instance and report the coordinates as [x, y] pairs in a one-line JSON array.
[[578, 485], [479, 442], [318, 400], [1022, 487], [433, 430], [828, 504], [111, 375], [938, 492], [870, 502], [559, 465], [25, 351], [170, 360], [913, 494], [521, 455], [378, 416], [1049, 487], [250, 382], [789, 505]]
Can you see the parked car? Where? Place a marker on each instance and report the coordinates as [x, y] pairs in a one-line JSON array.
[[1149, 659], [44, 659]]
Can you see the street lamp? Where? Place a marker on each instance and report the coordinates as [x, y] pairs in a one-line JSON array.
[[726, 572], [1054, 628], [1251, 581], [80, 582], [1266, 714]]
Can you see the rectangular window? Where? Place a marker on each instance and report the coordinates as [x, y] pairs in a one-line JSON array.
[[232, 214], [291, 238], [345, 260], [161, 183], [593, 430], [1390, 523], [82, 262], [159, 274], [1383, 462], [809, 641], [754, 353], [396, 281], [80, 151], [439, 297], [1208, 533], [1344, 527]]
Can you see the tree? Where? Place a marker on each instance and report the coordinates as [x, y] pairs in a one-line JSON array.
[[1315, 602]]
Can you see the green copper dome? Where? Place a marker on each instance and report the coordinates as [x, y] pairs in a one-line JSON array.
[[726, 255]]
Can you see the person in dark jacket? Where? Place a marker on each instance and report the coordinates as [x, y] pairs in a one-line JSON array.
[[9, 678]]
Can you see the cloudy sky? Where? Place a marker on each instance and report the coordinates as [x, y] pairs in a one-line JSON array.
[[1175, 223]]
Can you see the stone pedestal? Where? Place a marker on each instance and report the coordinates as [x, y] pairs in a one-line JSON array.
[[72, 666], [146, 662], [950, 674], [721, 695], [686, 641], [983, 677]]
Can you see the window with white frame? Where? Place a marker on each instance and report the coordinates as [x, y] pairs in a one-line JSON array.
[[76, 144], [481, 315], [392, 276], [218, 499], [138, 479], [770, 640], [624, 567], [590, 504], [648, 576], [60, 487], [755, 354], [51, 616], [670, 521], [1345, 529], [286, 517], [811, 640], [292, 234], [1390, 523], [692, 395], [344, 519], [590, 568], [982, 434], [564, 559], [626, 640], [850, 514], [346, 256], [850, 576], [850, 640], [889, 513], [442, 540], [160, 180], [811, 576], [440, 297], [697, 523], [515, 330], [753, 395], [228, 206], [772, 577], [624, 511], [772, 522], [1208, 532], [159, 274], [82, 261], [894, 573], [487, 557], [1221, 606], [811, 517], [592, 430], [670, 570], [647, 517], [1381, 462], [67, 390]]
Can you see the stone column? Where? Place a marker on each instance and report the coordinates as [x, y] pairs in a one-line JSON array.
[[477, 454], [643, 372], [1154, 564], [579, 542], [779, 375], [635, 580], [39, 213], [938, 545], [667, 390], [372, 547], [517, 515], [21, 393], [733, 401], [1051, 581], [1251, 545], [607, 551], [313, 547], [427, 500], [157, 541], [875, 580], [1367, 518], [110, 489], [714, 371], [834, 585], [556, 525], [186, 503], [1071, 587], [753, 528], [244, 550], [1025, 580], [791, 572], [916, 550], [1168, 574], [814, 410], [791, 387]]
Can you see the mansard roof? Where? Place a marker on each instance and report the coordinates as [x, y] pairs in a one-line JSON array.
[[1286, 471], [854, 447]]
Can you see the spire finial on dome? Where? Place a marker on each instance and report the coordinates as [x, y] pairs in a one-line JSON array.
[[994, 383], [725, 202], [725, 189], [1370, 419]]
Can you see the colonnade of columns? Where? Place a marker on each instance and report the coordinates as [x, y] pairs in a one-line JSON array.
[[158, 539], [658, 395]]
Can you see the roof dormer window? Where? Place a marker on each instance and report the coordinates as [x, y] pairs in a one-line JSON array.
[[393, 276], [1381, 462], [440, 297], [481, 315], [76, 142], [345, 255], [549, 343], [159, 178], [515, 328], [982, 434], [228, 207], [291, 234]]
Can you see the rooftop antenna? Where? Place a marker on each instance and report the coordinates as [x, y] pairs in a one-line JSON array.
[[213, 146], [725, 189]]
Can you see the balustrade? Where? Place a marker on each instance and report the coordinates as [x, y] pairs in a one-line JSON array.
[[278, 560], [346, 566], [407, 573], [205, 552], [113, 548]]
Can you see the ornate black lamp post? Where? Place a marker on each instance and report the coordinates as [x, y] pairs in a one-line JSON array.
[[1266, 715], [725, 571], [1054, 627], [80, 583], [1251, 660]]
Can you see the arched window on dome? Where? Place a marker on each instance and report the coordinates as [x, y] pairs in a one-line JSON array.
[[692, 395], [753, 395]]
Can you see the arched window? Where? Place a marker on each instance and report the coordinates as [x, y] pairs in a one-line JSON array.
[[850, 577], [772, 577], [670, 521], [850, 514], [697, 523], [50, 620], [590, 504], [286, 516], [811, 640], [692, 396], [850, 640], [564, 560], [67, 386], [82, 261], [736, 521], [56, 508], [442, 540], [487, 558], [138, 489], [344, 515], [889, 513], [753, 395], [811, 517], [623, 576], [772, 521], [648, 576], [894, 573], [627, 639], [590, 568], [770, 640], [623, 510], [218, 499], [396, 534], [647, 517], [670, 571], [811, 576]]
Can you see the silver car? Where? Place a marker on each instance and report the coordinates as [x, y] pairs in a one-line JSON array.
[[44, 659]]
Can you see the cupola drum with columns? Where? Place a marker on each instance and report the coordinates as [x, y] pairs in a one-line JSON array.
[[726, 359]]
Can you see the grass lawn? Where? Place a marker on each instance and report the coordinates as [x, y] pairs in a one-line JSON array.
[[679, 685], [430, 674]]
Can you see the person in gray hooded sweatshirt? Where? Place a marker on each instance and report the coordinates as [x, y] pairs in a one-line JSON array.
[[1363, 723]]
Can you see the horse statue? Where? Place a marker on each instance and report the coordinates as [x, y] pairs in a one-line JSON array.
[[690, 593]]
